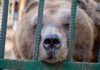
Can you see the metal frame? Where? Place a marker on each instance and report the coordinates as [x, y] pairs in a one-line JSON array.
[[36, 64]]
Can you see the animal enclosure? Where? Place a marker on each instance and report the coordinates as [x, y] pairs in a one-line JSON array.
[[35, 63]]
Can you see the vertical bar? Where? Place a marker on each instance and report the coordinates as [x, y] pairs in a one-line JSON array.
[[21, 8], [12, 11], [71, 29], [38, 29], [3, 28], [99, 55]]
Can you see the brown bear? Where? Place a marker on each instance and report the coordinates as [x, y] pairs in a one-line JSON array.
[[92, 8], [53, 45]]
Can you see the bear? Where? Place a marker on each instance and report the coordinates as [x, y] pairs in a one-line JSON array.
[[91, 7], [55, 25]]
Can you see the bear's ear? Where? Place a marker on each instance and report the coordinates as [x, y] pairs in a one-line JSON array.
[[29, 4], [82, 4]]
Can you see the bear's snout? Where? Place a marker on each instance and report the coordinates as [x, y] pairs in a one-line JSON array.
[[51, 43]]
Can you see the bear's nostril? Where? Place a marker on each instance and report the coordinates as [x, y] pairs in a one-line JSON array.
[[52, 42], [47, 41], [56, 41]]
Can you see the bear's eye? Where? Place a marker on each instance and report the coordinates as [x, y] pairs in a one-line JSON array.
[[35, 26], [66, 26]]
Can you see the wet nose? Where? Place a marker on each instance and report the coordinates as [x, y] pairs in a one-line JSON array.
[[52, 41]]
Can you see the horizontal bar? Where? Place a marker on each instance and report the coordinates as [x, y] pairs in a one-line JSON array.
[[38, 65]]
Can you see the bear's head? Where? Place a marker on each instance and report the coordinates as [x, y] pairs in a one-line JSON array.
[[55, 24], [53, 44]]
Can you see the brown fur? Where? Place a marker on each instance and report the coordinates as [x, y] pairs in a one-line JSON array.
[[97, 1], [90, 7], [55, 13]]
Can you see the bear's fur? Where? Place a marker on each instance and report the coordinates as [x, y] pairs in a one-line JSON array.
[[97, 1], [55, 20], [92, 8]]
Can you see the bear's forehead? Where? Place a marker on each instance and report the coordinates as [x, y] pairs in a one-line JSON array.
[[61, 16], [54, 7], [54, 12], [59, 10]]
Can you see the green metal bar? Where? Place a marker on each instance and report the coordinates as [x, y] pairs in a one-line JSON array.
[[3, 27], [38, 29], [98, 9], [37, 65], [99, 55], [71, 29]]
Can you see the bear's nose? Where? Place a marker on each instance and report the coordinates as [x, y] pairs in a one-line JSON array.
[[52, 41]]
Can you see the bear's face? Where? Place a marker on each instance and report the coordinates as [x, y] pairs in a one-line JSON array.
[[53, 41], [53, 44], [55, 24]]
